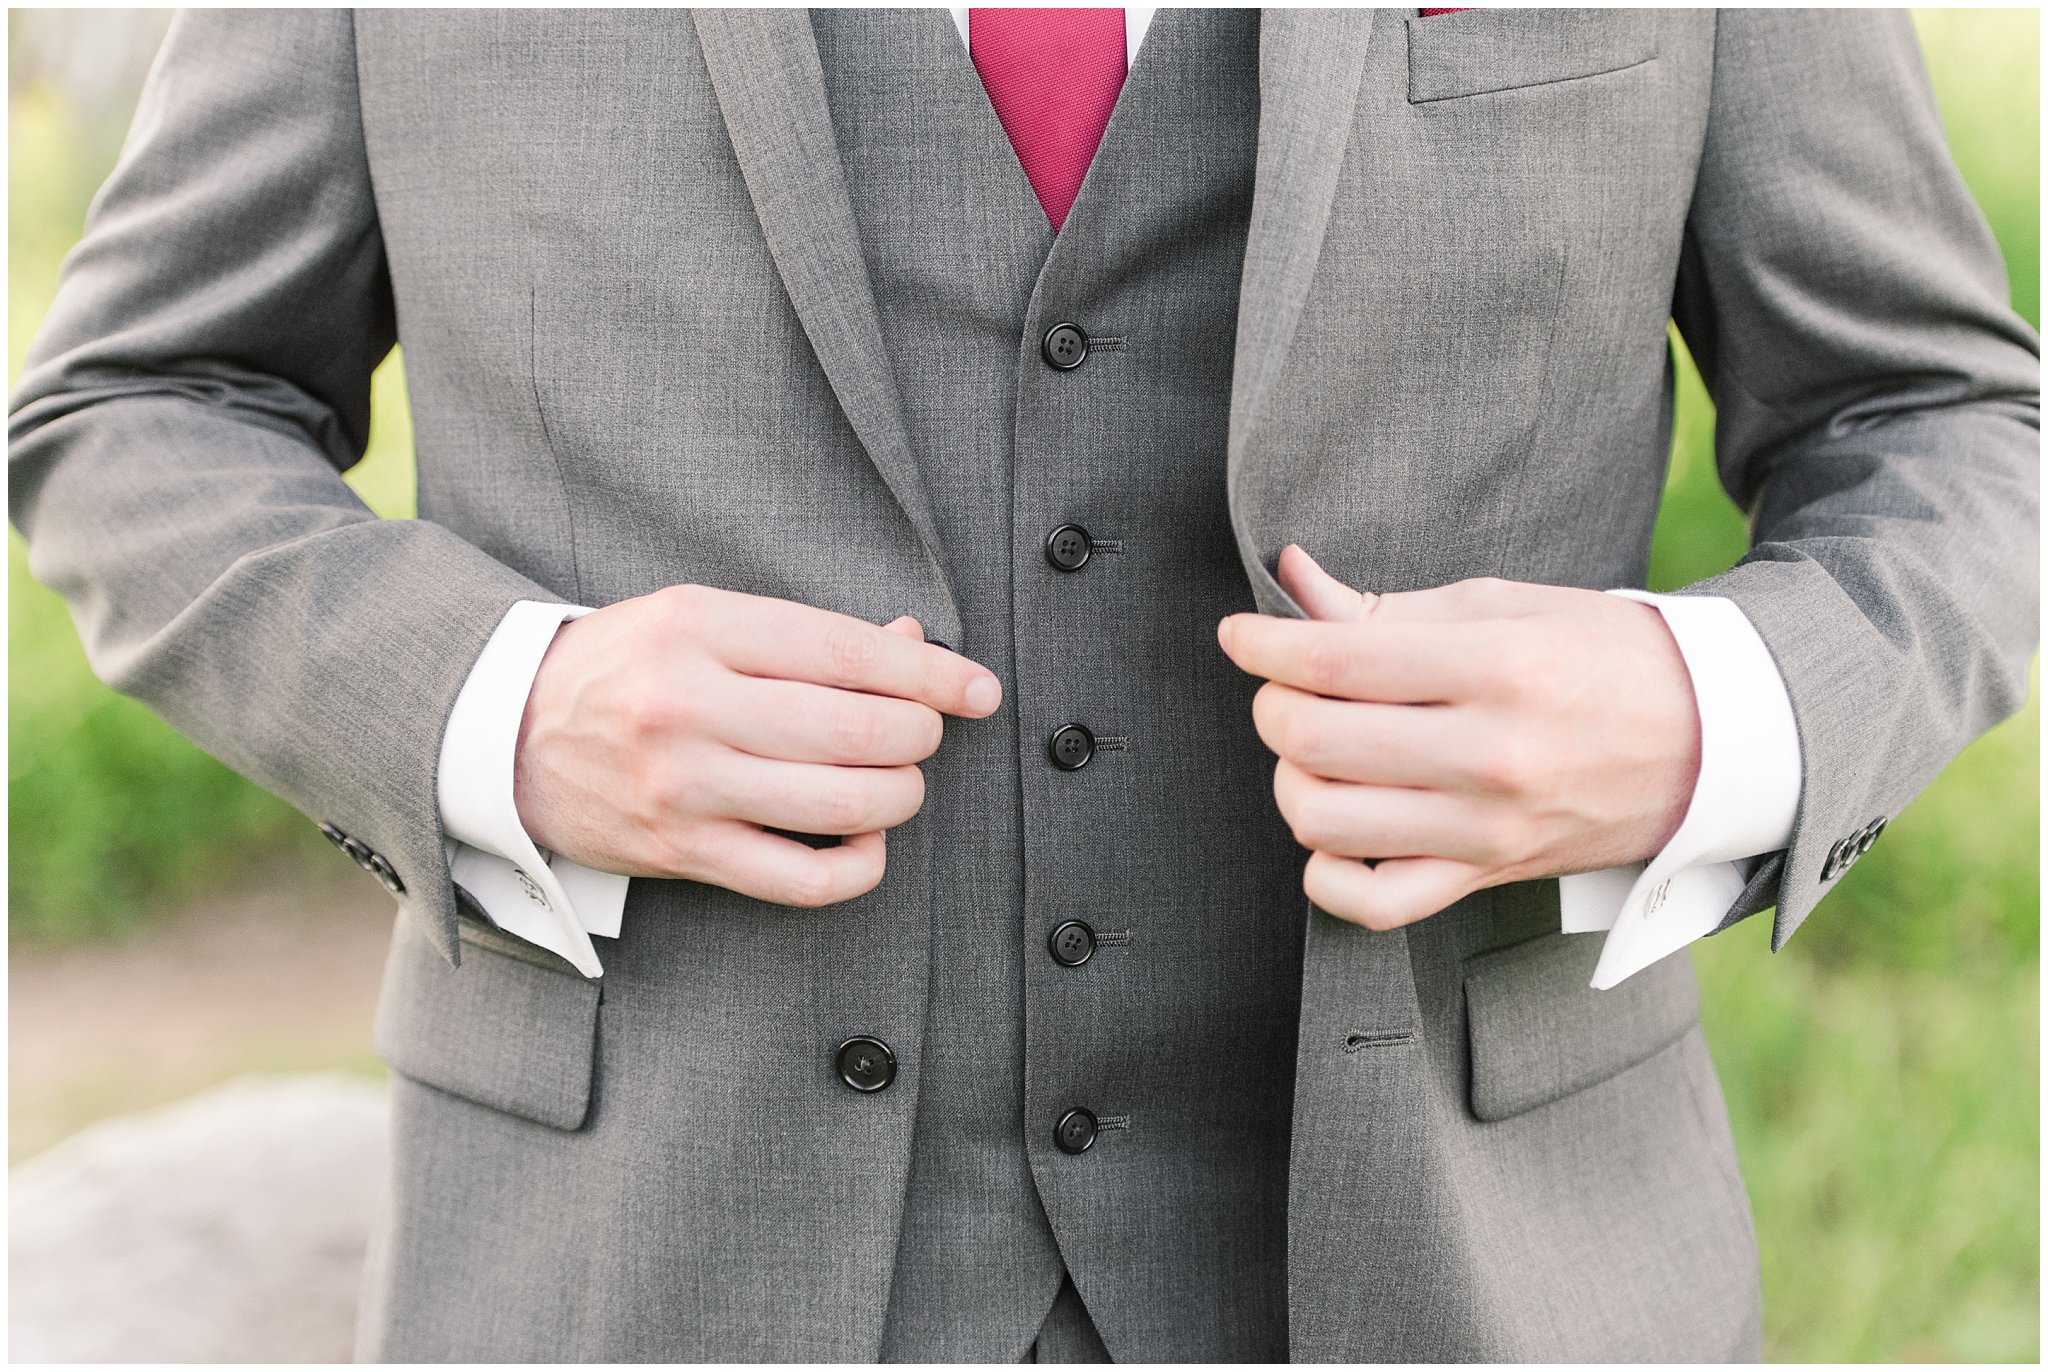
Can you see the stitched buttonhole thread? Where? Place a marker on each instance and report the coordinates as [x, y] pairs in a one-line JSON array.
[[1113, 1122], [1378, 1038], [1112, 938]]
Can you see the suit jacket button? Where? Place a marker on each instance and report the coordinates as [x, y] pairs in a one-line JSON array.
[[1065, 347], [1072, 943], [380, 867], [334, 836], [1075, 1133], [1870, 834], [1068, 546], [356, 849], [1071, 746], [866, 1064]]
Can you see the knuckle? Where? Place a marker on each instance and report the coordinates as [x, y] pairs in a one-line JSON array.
[[1318, 881], [652, 791], [1309, 817], [940, 679], [1376, 916], [931, 731], [850, 652], [853, 731], [899, 798], [912, 799], [809, 884], [681, 605], [1325, 663], [840, 806], [1505, 765], [1304, 740], [1269, 715], [668, 713], [681, 850], [864, 878], [874, 864]]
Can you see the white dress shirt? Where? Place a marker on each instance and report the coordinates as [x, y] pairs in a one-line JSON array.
[[1742, 808]]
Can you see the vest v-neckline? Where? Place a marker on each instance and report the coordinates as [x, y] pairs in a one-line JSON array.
[[988, 127]]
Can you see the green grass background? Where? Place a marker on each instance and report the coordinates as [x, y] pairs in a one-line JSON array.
[[1882, 1072]]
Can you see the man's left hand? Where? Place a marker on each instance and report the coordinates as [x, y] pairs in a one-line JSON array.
[[1434, 743]]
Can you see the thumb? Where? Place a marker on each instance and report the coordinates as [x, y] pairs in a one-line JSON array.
[[1316, 591]]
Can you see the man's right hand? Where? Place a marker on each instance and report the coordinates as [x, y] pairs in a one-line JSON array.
[[665, 735]]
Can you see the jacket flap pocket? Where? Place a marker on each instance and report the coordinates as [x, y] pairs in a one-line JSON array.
[[1479, 51], [513, 1028], [1539, 1032]]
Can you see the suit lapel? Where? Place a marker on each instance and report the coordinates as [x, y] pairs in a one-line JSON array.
[[1310, 63], [771, 90]]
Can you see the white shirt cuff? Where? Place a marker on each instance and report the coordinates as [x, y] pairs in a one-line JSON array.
[[543, 898], [1743, 804]]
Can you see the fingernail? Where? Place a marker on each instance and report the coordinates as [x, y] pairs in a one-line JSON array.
[[984, 693]]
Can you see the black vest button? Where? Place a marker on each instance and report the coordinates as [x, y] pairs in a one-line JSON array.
[[1068, 546], [866, 1064], [1071, 747], [1064, 347], [1072, 943], [1075, 1133]]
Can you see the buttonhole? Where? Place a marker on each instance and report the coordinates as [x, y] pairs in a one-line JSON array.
[[1377, 1038]]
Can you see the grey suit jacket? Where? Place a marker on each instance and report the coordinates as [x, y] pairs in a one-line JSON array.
[[642, 349]]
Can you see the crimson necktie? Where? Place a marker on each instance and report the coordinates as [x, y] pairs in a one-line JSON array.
[[1053, 76]]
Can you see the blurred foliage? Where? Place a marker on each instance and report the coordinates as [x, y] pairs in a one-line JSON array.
[[1882, 1072]]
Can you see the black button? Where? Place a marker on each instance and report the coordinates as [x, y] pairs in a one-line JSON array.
[[866, 1064], [358, 850], [1071, 747], [1067, 547], [334, 836], [1832, 868], [1075, 1133], [1870, 835], [1072, 943], [1064, 347], [381, 868]]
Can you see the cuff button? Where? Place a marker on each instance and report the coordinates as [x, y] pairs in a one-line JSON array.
[[381, 868]]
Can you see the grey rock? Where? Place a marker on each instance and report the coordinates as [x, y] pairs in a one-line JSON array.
[[230, 1227]]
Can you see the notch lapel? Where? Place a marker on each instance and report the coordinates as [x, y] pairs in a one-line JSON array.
[[771, 90], [1310, 63]]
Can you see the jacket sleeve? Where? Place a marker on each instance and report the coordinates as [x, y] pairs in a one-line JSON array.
[[1878, 419], [180, 430]]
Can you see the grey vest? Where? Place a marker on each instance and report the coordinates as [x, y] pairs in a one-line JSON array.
[[1177, 1032]]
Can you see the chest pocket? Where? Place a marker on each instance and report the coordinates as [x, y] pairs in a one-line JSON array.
[[513, 1028], [1485, 51]]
